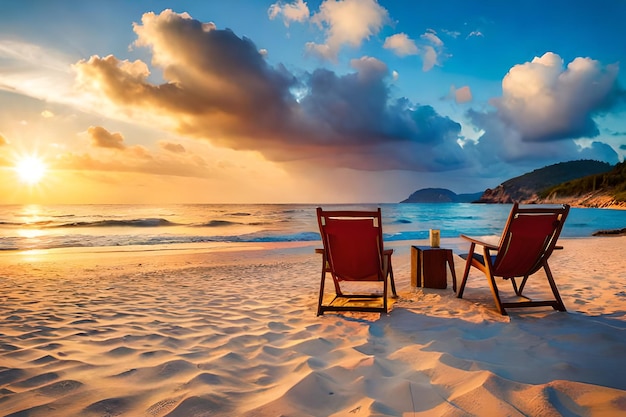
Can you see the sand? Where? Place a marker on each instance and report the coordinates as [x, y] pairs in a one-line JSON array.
[[231, 330]]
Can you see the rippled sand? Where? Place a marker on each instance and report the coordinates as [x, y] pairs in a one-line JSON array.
[[231, 331]]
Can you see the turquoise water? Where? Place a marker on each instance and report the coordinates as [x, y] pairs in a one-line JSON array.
[[62, 226]]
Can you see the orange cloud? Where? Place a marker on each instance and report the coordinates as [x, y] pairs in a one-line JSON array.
[[175, 162], [172, 147], [137, 160], [463, 95], [100, 137]]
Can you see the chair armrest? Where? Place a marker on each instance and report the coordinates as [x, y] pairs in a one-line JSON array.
[[319, 250], [480, 242]]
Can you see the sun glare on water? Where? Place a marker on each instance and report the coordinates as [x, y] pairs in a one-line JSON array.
[[30, 169]]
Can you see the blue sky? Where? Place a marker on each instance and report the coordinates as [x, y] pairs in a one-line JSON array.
[[292, 101]]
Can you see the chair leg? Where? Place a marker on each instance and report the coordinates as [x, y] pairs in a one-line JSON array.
[[392, 281], [320, 311], [492, 283], [385, 285], [468, 266], [515, 289], [559, 302], [495, 293], [521, 287]]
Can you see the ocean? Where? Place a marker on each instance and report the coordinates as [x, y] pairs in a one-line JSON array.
[[27, 227]]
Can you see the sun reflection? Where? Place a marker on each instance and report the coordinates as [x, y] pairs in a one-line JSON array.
[[31, 213], [33, 255], [30, 233]]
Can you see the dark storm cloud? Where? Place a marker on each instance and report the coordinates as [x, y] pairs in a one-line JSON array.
[[219, 87]]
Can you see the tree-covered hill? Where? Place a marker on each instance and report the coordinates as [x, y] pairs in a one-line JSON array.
[[529, 187], [612, 183]]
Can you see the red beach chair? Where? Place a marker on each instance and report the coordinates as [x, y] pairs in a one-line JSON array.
[[353, 252], [527, 242]]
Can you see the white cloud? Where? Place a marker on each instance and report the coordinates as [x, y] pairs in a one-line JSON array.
[[432, 52], [35, 71], [297, 11], [544, 100], [429, 58], [401, 44], [475, 34], [346, 22], [369, 68], [431, 37]]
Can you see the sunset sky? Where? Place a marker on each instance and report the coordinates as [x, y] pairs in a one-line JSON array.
[[293, 101]]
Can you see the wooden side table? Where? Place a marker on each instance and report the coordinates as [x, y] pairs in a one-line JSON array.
[[429, 267]]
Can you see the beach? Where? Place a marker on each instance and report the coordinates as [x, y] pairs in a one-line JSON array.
[[221, 329]]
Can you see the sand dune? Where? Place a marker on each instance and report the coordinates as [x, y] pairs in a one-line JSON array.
[[232, 331]]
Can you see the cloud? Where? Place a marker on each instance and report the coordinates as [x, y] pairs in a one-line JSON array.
[[138, 159], [172, 147], [545, 106], [475, 34], [600, 151], [463, 95], [451, 33], [433, 52], [431, 37], [544, 101], [3, 141], [346, 22], [102, 138], [500, 146], [401, 44], [34, 70], [364, 129], [218, 87], [297, 11]]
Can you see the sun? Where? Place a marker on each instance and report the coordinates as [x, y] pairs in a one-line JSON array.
[[30, 169]]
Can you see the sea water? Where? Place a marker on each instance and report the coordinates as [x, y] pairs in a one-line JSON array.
[[24, 227]]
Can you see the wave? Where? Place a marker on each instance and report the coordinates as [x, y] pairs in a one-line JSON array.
[[293, 237], [216, 223], [82, 241], [103, 226], [150, 222]]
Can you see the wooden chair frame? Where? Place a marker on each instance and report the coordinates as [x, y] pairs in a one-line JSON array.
[[383, 274], [507, 264]]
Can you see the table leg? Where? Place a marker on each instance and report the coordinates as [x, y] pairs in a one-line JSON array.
[[450, 260]]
